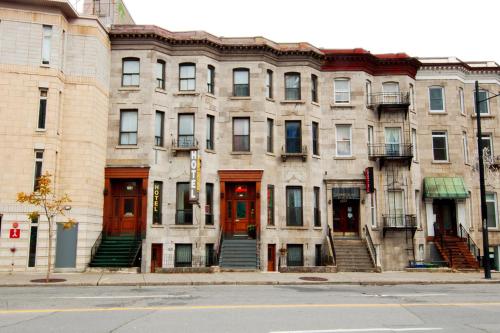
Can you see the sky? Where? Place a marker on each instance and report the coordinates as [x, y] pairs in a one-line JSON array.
[[465, 29]]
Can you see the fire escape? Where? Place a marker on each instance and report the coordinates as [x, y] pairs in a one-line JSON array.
[[395, 153]]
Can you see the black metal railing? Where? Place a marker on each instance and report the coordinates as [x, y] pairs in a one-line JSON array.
[[95, 247], [473, 248], [300, 152], [439, 237], [388, 98], [332, 245], [218, 246], [400, 221], [391, 150], [184, 143], [371, 246], [135, 254]]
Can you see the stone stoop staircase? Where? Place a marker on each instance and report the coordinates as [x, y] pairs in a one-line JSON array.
[[239, 254], [352, 255], [461, 257], [116, 251]]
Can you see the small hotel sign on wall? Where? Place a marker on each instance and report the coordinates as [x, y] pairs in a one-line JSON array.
[[157, 193], [194, 176]]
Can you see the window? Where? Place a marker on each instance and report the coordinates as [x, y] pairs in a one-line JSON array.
[[412, 97], [436, 99], [343, 140], [210, 132], [42, 109], [32, 246], [487, 144], [183, 255], [294, 206], [342, 89], [292, 86], [269, 84], [368, 89], [491, 207], [315, 138], [465, 147], [270, 135], [210, 259], [295, 255], [128, 127], [159, 128], [38, 168], [293, 134], [187, 77], [391, 92], [396, 208], [160, 74], [209, 204], [461, 100], [184, 209], [130, 72], [46, 40], [157, 202], [270, 204], [241, 82], [484, 107], [414, 143], [211, 79], [314, 88], [393, 141], [373, 208], [186, 131], [241, 134], [370, 139], [440, 146], [317, 211]]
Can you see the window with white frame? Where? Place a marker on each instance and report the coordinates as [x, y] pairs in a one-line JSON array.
[[241, 82], [440, 146], [391, 93], [412, 97], [370, 139], [491, 205], [461, 100], [436, 99], [292, 86], [395, 217], [414, 143], [187, 77], [42, 109], [185, 135], [484, 104], [368, 90], [130, 72], [344, 138], [342, 88], [487, 144], [38, 168], [46, 41], [373, 208], [128, 127], [465, 147]]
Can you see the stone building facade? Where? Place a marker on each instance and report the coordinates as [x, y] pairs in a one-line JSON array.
[[170, 142]]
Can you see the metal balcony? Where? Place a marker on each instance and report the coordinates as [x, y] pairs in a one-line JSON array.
[[300, 152], [390, 102], [185, 143], [399, 222], [391, 152]]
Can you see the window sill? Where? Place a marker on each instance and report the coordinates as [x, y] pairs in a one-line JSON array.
[[288, 227], [438, 112], [157, 226], [416, 162], [271, 154], [45, 65], [440, 162], [209, 95], [209, 226], [186, 93], [161, 91], [377, 228], [270, 99], [341, 106], [241, 153], [315, 103], [210, 151], [183, 226], [318, 228], [297, 101], [160, 148], [133, 88], [41, 130], [463, 114], [316, 157], [344, 158], [487, 116], [272, 227], [127, 147], [240, 98]]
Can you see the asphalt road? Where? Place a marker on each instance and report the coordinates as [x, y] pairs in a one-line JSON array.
[[311, 309]]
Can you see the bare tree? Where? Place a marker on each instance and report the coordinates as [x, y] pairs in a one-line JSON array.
[[45, 203]]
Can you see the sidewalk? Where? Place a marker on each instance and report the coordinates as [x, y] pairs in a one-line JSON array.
[[246, 278]]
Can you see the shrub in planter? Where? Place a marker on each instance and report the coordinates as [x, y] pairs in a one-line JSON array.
[[252, 231]]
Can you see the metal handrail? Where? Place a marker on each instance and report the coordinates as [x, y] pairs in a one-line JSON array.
[[400, 149], [331, 244], [371, 246], [391, 221], [440, 237], [95, 247], [188, 145], [473, 248], [389, 98], [218, 245]]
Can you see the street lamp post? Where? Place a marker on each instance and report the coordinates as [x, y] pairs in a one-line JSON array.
[[484, 211]]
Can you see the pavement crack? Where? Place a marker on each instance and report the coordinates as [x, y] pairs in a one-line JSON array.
[[28, 320], [143, 315]]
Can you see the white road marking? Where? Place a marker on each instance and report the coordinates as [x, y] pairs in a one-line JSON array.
[[403, 295], [412, 329], [122, 296]]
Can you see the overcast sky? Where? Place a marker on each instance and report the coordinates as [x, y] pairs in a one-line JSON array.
[[469, 30]]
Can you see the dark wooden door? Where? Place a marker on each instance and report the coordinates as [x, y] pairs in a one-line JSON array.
[[446, 216], [346, 217], [156, 257], [271, 257]]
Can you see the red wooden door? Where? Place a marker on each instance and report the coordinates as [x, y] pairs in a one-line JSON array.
[[156, 257], [345, 216], [126, 210], [271, 257], [240, 203]]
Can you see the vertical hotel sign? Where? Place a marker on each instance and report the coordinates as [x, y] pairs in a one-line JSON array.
[[157, 193], [194, 177]]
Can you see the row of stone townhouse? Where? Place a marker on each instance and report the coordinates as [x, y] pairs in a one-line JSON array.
[[183, 150]]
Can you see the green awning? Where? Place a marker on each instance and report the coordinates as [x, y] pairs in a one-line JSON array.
[[445, 188]]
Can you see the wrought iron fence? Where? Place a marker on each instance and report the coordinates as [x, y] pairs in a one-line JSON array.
[[390, 150], [389, 98], [399, 221]]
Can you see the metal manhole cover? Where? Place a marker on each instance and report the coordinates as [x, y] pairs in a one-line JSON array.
[[313, 278], [47, 281]]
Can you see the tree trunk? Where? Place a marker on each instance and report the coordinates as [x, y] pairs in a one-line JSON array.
[[49, 255]]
